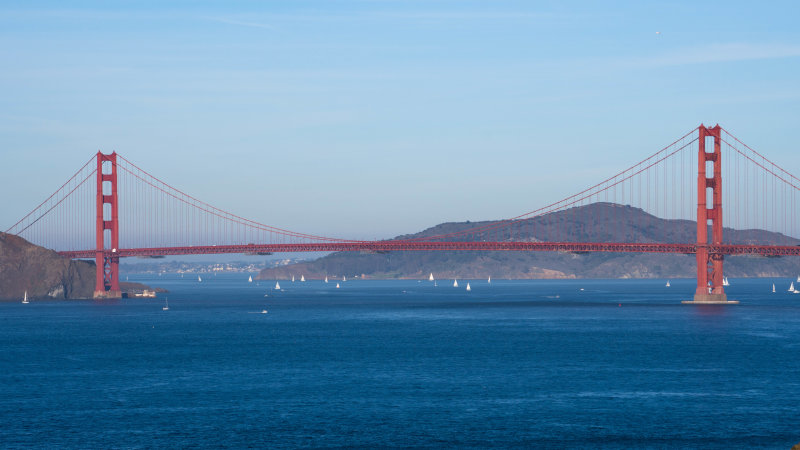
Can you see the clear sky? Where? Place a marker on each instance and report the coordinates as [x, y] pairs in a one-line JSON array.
[[368, 119]]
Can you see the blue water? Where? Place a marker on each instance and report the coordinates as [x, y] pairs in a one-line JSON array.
[[620, 363]]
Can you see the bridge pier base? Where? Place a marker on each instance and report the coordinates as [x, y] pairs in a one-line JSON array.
[[710, 299], [100, 295]]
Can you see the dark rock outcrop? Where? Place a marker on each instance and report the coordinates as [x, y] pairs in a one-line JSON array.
[[41, 272]]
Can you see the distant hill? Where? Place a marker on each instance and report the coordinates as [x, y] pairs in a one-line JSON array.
[[584, 223]]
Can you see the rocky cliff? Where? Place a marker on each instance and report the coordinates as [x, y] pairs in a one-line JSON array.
[[41, 272], [45, 274]]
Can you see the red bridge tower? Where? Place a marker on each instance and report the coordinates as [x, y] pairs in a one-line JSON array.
[[709, 212], [107, 259]]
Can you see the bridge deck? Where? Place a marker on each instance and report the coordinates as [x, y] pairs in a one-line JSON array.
[[386, 246]]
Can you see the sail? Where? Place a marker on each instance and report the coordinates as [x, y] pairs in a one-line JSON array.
[[455, 283], [468, 288], [277, 285], [326, 278], [430, 278]]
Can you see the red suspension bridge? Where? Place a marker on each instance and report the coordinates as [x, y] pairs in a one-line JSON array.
[[111, 209]]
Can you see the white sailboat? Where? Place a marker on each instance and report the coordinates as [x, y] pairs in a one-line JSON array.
[[25, 298], [668, 280], [302, 278], [489, 280], [199, 280], [773, 287], [725, 281], [277, 286], [791, 287], [337, 285], [250, 279], [468, 288], [292, 278], [344, 278], [798, 278], [455, 283], [166, 305], [430, 278], [326, 278]]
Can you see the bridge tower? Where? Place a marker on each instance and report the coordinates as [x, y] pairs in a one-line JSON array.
[[106, 253], [709, 212]]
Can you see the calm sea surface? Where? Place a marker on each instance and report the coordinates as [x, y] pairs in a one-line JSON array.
[[589, 363]]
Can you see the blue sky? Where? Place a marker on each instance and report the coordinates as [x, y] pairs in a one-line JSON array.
[[368, 119]]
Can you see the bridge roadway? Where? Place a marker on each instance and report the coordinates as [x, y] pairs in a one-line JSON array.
[[388, 246]]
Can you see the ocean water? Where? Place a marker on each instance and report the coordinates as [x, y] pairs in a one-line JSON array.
[[549, 364]]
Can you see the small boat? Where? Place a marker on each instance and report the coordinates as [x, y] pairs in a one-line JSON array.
[[668, 280], [277, 286], [791, 287], [199, 280], [25, 298], [344, 278], [455, 283], [250, 280], [773, 287], [263, 311], [434, 284], [326, 278], [337, 285], [302, 278], [468, 288], [292, 278], [430, 277], [725, 281], [166, 305], [798, 278], [489, 280]]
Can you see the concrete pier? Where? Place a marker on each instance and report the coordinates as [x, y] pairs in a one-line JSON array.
[[710, 299]]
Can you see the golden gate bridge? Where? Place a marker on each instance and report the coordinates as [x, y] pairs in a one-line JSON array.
[[111, 209]]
